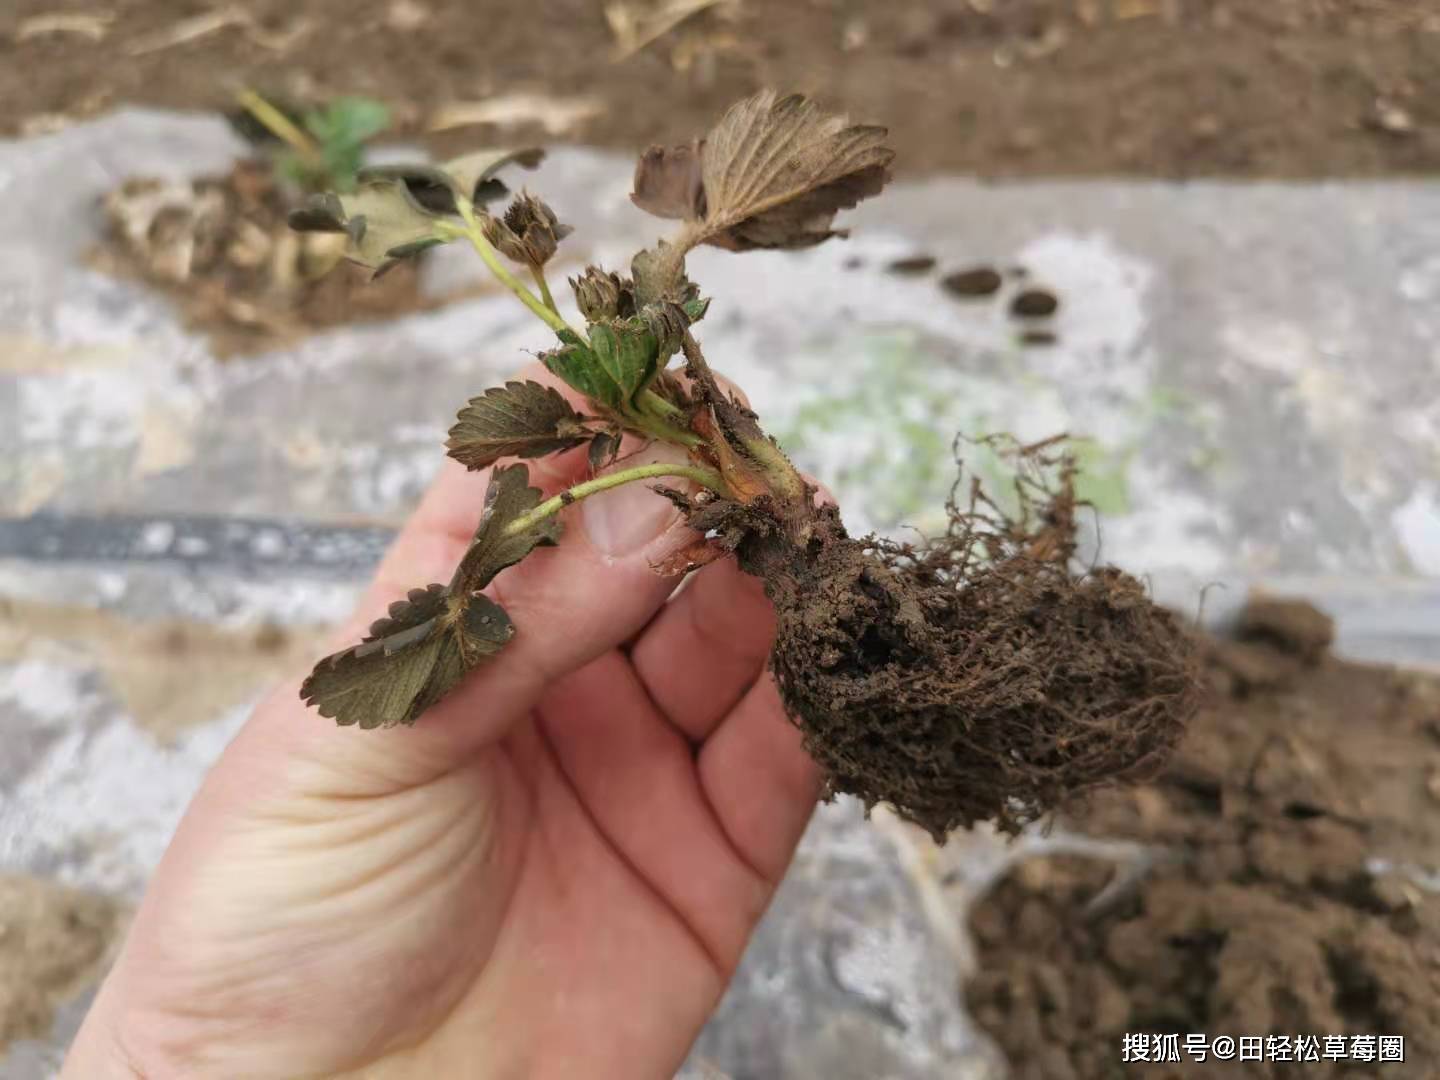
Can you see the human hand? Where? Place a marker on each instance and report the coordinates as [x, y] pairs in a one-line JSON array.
[[553, 874]]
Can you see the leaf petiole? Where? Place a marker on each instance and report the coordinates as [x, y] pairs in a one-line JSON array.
[[656, 405], [704, 477], [539, 275], [656, 417]]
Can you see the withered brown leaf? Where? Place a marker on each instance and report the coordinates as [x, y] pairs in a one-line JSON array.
[[474, 173], [381, 218], [410, 660], [495, 546], [771, 174], [669, 182], [519, 419], [604, 449]]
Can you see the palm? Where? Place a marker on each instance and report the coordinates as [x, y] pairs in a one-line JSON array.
[[623, 906]]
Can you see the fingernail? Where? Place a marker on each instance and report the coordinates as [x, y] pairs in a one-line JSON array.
[[626, 519]]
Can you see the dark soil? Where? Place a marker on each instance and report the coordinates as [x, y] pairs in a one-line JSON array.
[[1260, 914], [1034, 304], [221, 247], [1284, 88], [981, 281]]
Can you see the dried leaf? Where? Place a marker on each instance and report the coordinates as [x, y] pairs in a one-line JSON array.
[[556, 115], [93, 25], [474, 173], [410, 660], [688, 558], [659, 276], [669, 182], [668, 322], [772, 174], [529, 232], [319, 213], [635, 29], [495, 546], [519, 419], [430, 186], [433, 187], [382, 218]]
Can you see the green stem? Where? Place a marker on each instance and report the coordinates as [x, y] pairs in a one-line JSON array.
[[656, 405], [704, 477], [538, 273], [487, 253], [279, 125], [657, 428]]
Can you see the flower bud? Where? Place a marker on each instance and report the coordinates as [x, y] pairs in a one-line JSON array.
[[529, 232], [598, 293]]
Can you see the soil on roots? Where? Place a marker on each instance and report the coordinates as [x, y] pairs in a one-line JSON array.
[[974, 677], [1291, 836]]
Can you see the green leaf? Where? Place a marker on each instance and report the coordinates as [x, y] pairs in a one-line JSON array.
[[620, 359], [696, 307], [347, 121], [576, 364], [519, 419], [410, 660], [419, 652], [627, 352], [495, 547]]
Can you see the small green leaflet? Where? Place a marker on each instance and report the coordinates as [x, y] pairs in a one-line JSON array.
[[422, 649], [410, 660], [627, 352], [620, 359], [519, 419], [342, 129]]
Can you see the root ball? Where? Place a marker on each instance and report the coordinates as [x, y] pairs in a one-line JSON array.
[[975, 677]]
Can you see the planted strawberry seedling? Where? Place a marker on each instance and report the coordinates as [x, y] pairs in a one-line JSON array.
[[221, 247], [973, 676], [319, 148]]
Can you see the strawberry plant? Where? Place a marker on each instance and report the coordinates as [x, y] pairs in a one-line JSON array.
[[318, 148], [978, 675]]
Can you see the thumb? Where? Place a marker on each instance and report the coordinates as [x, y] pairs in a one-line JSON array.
[[569, 604]]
